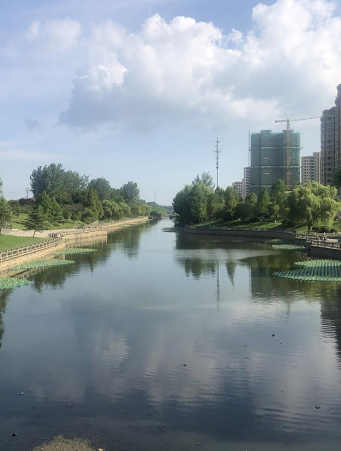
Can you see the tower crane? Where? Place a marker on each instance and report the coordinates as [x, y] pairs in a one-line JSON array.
[[288, 142]]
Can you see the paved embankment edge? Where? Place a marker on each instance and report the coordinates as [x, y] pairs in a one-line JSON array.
[[25, 254], [317, 248]]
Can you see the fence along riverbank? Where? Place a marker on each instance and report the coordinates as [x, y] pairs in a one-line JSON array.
[[316, 244], [60, 239]]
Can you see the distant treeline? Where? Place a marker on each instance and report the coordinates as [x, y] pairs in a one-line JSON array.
[[60, 194], [311, 205]]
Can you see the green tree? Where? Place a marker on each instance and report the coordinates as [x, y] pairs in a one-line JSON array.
[[181, 205], [5, 214], [94, 210], [57, 182], [278, 199], [36, 220], [130, 193], [263, 203], [232, 198], [102, 186], [244, 211], [204, 178], [312, 204], [199, 203]]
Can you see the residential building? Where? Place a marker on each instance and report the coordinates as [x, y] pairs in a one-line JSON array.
[[317, 166], [246, 182], [338, 128], [311, 168], [269, 161], [327, 145], [238, 186]]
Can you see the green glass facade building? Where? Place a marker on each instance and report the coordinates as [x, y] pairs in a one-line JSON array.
[[269, 159]]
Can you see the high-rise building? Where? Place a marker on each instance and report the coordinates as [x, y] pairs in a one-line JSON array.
[[269, 161], [327, 145], [238, 186], [310, 168], [317, 166], [246, 182], [338, 128]]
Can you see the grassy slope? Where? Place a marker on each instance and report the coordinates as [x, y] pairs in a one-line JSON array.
[[12, 242], [19, 223]]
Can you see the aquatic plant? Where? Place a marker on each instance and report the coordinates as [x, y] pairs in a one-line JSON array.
[[6, 283], [274, 241], [37, 264], [75, 250], [289, 247], [314, 271]]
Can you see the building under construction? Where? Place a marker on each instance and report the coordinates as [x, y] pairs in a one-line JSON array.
[[273, 158]]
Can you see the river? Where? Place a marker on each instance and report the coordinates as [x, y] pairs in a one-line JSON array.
[[165, 341]]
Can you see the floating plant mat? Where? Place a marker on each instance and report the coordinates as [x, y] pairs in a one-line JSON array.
[[319, 263], [274, 241], [289, 247], [75, 250], [7, 283], [36, 264], [314, 270]]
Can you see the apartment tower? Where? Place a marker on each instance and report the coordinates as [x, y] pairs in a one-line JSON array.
[[269, 159]]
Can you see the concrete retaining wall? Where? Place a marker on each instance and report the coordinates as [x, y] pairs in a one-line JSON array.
[[5, 265]]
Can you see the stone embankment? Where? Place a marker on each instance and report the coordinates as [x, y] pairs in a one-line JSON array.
[[60, 239], [316, 244]]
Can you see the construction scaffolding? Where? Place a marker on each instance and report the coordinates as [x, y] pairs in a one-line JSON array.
[[269, 159]]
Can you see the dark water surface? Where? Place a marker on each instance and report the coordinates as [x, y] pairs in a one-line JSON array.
[[163, 341]]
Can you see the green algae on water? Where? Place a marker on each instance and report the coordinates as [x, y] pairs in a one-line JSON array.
[[37, 264], [7, 283], [314, 271], [75, 250], [289, 247]]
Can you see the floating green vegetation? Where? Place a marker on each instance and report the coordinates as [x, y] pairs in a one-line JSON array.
[[314, 271], [37, 264], [275, 241], [75, 250], [6, 283], [319, 263], [289, 247]]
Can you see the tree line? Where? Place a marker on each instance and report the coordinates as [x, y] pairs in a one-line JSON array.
[[312, 205], [61, 195]]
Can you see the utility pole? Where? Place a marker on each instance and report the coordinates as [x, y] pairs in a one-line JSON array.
[[217, 152]]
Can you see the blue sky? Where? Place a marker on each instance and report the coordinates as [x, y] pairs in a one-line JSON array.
[[134, 89]]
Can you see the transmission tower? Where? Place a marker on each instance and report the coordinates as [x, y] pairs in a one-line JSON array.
[[217, 152]]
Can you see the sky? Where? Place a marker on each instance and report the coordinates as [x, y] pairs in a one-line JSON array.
[[135, 89]]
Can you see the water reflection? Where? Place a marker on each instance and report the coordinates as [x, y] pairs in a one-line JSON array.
[[4, 295], [133, 344]]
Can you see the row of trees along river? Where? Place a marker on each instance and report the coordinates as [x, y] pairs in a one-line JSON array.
[[312, 205], [62, 196]]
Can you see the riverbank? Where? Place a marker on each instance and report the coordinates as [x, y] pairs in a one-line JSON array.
[[316, 246], [66, 237]]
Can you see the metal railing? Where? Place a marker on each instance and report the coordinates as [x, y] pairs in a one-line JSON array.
[[13, 253]]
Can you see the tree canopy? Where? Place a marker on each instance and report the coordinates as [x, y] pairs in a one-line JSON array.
[[57, 182]]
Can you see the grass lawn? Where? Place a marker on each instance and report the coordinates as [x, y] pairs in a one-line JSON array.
[[19, 223], [12, 242]]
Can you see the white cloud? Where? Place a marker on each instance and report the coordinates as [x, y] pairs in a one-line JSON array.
[[184, 70], [54, 36]]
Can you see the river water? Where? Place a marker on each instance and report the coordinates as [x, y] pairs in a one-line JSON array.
[[165, 341]]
